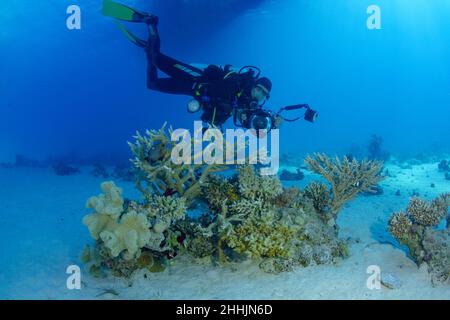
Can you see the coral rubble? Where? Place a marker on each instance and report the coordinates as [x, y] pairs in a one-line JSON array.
[[415, 229]]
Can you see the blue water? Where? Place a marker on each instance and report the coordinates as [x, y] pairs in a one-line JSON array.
[[81, 94]]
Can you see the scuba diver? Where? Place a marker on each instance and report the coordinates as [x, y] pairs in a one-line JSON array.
[[220, 92]]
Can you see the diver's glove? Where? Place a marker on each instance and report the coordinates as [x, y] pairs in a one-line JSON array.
[[277, 122]]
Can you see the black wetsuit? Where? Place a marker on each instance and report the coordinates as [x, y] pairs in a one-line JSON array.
[[224, 88]]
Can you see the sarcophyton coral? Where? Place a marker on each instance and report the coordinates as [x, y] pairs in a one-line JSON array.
[[415, 229], [156, 171], [125, 229], [119, 230], [346, 177]]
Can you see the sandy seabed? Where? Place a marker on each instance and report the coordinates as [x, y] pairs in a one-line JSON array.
[[41, 234]]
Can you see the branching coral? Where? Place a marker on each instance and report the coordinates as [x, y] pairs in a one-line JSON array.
[[400, 226], [415, 229], [218, 191], [252, 185], [267, 221], [158, 173], [424, 213], [320, 195], [346, 177]]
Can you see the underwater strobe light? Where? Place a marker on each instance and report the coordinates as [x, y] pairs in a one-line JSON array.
[[193, 106], [311, 115]]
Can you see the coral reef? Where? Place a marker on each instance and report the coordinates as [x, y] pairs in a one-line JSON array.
[[269, 222], [346, 177], [415, 229], [124, 230], [157, 173], [261, 236], [246, 215]]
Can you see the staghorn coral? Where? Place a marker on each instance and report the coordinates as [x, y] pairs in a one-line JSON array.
[[157, 172], [346, 177], [415, 229]]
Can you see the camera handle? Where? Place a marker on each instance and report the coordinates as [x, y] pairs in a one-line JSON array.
[[293, 107]]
